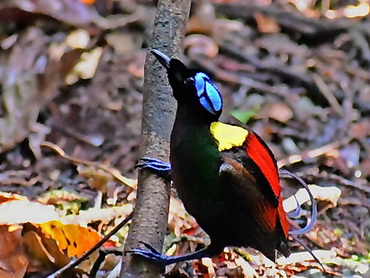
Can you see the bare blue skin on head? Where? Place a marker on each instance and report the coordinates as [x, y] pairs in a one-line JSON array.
[[209, 97]]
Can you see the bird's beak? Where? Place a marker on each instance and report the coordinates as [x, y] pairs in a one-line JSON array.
[[162, 58]]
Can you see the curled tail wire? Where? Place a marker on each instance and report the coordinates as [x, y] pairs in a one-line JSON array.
[[311, 223], [308, 249], [297, 211]]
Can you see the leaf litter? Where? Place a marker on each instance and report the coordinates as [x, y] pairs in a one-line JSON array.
[[71, 75]]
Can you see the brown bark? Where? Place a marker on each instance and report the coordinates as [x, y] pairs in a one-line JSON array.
[[151, 212]]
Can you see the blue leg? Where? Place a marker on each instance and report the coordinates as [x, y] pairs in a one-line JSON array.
[[156, 166], [163, 260]]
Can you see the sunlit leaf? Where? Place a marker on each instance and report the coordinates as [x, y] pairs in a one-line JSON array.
[[244, 115], [6, 197], [21, 211], [72, 239]]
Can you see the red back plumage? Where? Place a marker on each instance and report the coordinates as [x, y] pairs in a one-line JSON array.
[[263, 157]]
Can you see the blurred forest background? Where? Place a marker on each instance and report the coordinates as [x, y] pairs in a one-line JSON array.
[[71, 76]]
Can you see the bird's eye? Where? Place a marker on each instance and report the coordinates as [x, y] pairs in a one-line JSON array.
[[189, 81]]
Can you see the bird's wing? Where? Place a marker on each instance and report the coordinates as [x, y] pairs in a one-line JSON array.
[[250, 164]]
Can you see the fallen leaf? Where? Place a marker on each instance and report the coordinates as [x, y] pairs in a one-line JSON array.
[[86, 67], [361, 10], [6, 197], [72, 239], [13, 260], [22, 211], [279, 111], [49, 244], [197, 45], [121, 42], [299, 257], [88, 2], [329, 194], [103, 215], [42, 252], [266, 24], [70, 12], [78, 39]]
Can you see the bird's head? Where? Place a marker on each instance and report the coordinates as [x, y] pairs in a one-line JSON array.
[[192, 88]]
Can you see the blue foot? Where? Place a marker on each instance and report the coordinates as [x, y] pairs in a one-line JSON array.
[[163, 260], [151, 254], [156, 166]]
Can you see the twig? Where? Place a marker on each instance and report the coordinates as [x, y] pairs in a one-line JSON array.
[[327, 93], [310, 28], [114, 22], [308, 249], [114, 172], [363, 186], [292, 159], [286, 73], [230, 77]]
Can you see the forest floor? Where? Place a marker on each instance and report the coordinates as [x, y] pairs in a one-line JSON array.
[[71, 98]]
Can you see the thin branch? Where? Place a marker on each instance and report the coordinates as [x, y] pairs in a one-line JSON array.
[[75, 263], [149, 224], [75, 160]]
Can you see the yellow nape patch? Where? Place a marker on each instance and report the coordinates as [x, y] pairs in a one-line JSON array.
[[228, 136]]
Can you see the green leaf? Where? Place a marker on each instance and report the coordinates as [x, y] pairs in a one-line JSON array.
[[244, 115]]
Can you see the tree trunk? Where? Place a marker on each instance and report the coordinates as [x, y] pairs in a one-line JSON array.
[[151, 212]]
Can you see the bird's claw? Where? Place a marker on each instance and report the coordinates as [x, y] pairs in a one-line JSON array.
[[151, 248], [153, 163], [162, 169], [150, 254]]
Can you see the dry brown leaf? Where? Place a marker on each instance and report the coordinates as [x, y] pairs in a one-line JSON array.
[[200, 45], [88, 2], [6, 197], [98, 179], [329, 194], [22, 211], [360, 10], [266, 24], [62, 196], [86, 67], [23, 90], [13, 260], [299, 257], [20, 100], [203, 19], [103, 215], [89, 263], [43, 253], [279, 111], [68, 11], [72, 239], [78, 39], [52, 245], [179, 220], [49, 245], [122, 43]]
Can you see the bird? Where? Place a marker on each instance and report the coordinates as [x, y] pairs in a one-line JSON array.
[[225, 175]]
